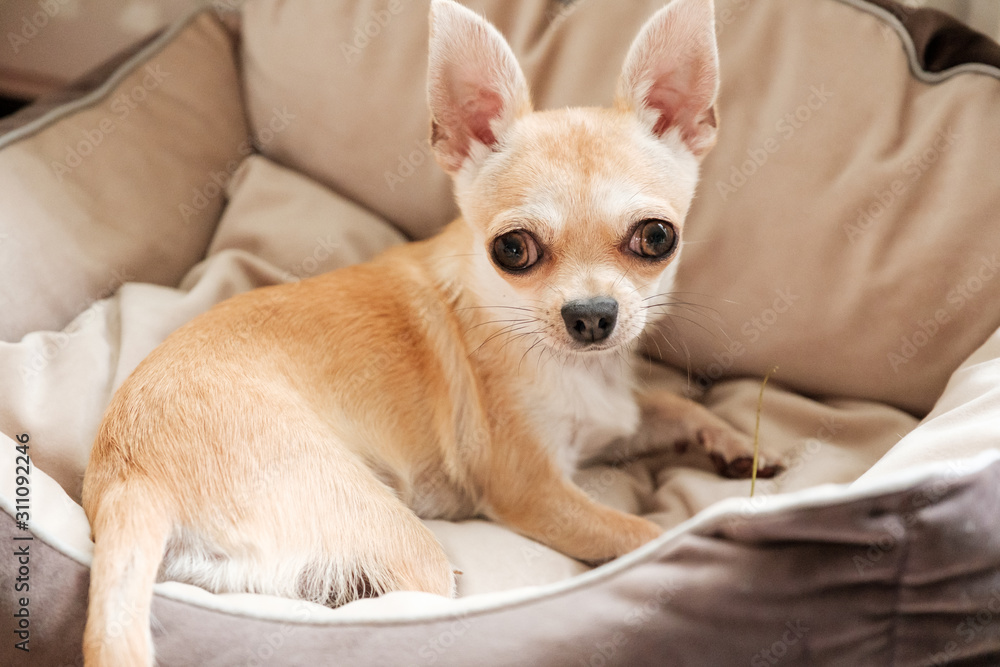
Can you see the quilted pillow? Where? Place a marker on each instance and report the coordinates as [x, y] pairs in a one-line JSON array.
[[122, 184]]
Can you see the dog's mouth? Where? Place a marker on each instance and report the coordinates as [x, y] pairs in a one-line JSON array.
[[616, 342], [593, 348]]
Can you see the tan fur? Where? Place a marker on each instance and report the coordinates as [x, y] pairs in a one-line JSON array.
[[289, 440]]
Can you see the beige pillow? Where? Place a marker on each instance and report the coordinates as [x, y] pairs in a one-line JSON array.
[[845, 225], [848, 213], [295, 224], [124, 184], [278, 226], [354, 74]]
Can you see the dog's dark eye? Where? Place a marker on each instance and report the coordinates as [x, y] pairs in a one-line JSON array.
[[515, 251], [653, 239]]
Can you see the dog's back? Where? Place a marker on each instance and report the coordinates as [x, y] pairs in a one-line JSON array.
[[234, 454]]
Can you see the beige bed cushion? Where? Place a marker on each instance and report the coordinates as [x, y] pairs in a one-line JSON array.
[[280, 226], [845, 228], [121, 184]]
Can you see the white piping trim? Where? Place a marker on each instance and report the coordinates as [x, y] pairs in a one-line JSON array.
[[821, 496], [45, 535], [106, 88]]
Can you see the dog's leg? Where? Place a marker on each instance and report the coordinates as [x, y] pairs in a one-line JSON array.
[[523, 489], [321, 528], [387, 545], [670, 421], [553, 511]]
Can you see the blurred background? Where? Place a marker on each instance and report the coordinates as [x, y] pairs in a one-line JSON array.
[[49, 43]]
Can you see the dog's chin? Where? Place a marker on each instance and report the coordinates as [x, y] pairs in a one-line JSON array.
[[574, 348]]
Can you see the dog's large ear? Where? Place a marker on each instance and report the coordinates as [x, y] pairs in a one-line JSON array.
[[474, 86], [671, 74]]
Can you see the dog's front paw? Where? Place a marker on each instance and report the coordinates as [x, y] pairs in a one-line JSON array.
[[635, 532], [604, 543], [732, 454]]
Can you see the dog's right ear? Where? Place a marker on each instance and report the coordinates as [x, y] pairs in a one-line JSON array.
[[671, 74], [475, 87]]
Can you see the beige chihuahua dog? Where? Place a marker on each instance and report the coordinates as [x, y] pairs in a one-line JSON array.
[[289, 440]]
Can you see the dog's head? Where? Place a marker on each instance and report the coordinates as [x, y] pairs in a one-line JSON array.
[[577, 213]]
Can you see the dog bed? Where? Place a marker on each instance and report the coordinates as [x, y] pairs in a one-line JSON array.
[[845, 231]]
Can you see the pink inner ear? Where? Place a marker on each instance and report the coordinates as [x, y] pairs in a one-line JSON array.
[[668, 102], [680, 108], [478, 110]]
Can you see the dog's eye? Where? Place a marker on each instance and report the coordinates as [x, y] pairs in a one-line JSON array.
[[653, 239], [515, 251]]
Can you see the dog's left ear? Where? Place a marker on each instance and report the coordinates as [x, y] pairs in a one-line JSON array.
[[475, 87], [671, 74]]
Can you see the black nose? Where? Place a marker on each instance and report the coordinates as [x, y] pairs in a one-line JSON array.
[[590, 320]]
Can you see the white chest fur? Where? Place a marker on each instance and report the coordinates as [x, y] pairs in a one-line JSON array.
[[581, 406]]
